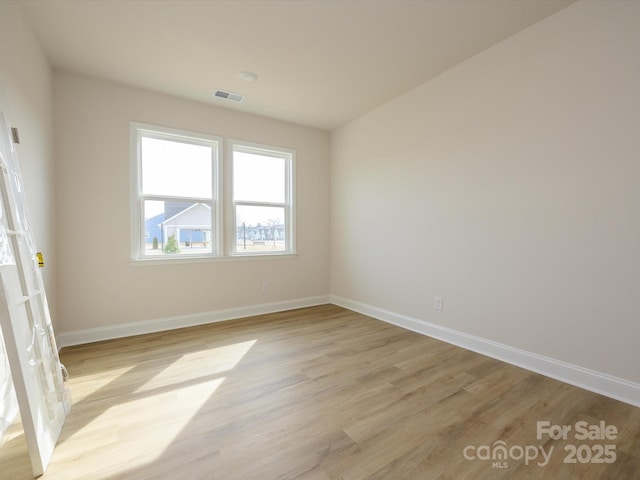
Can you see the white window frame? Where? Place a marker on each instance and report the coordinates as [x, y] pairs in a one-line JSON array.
[[223, 224], [139, 130], [289, 156]]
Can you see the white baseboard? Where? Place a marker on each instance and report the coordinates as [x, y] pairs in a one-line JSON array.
[[604, 384], [598, 382], [79, 337]]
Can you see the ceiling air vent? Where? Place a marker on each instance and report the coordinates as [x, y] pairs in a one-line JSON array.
[[233, 97]]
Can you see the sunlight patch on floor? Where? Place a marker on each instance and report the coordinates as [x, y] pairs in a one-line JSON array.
[[86, 385], [199, 365], [160, 406], [159, 419]]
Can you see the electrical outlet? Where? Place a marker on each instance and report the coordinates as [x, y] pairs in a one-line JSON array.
[[265, 287], [438, 303]]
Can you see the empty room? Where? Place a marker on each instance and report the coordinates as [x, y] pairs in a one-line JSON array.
[[319, 239]]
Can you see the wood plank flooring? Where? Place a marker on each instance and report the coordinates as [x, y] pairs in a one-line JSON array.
[[315, 394]]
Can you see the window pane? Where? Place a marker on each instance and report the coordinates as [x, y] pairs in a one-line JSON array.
[[258, 178], [260, 229], [176, 168], [177, 227]]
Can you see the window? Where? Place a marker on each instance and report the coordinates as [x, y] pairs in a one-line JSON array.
[[262, 199], [177, 193], [178, 197]]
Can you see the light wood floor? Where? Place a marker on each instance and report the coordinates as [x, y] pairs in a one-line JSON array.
[[317, 393]]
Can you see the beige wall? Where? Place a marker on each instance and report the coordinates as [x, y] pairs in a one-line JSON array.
[[25, 80], [98, 284], [509, 186]]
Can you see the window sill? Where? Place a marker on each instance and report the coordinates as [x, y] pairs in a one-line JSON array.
[[166, 260]]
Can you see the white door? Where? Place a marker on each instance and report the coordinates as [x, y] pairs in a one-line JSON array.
[[24, 317]]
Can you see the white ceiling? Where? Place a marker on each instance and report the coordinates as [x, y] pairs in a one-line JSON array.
[[320, 63]]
